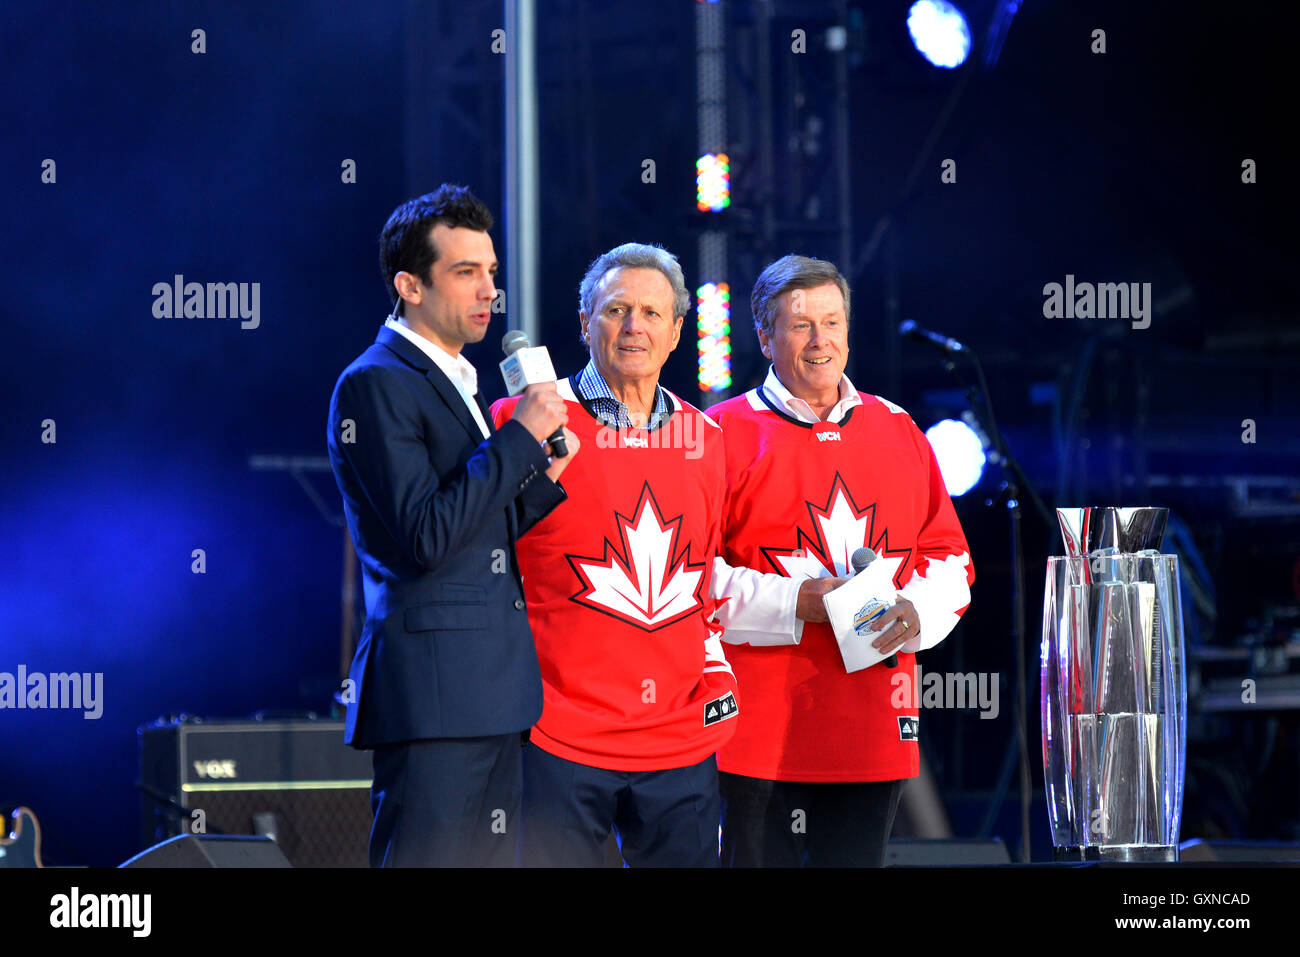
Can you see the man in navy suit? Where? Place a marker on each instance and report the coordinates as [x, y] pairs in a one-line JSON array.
[[445, 681]]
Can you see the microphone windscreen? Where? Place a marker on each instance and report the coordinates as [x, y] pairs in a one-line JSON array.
[[513, 341], [861, 558]]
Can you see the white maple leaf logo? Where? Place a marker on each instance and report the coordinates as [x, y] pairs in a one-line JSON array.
[[839, 529], [645, 582]]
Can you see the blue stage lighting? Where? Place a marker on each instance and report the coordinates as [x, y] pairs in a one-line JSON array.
[[940, 32], [960, 453]]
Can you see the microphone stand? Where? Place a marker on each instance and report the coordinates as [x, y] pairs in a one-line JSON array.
[[1015, 483]]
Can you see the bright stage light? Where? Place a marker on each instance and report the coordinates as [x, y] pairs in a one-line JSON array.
[[939, 32], [713, 309], [960, 453], [713, 182]]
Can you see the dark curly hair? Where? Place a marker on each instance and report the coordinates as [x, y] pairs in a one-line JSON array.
[[406, 242]]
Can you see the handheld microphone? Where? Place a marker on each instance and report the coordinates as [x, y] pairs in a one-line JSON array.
[[860, 559], [525, 365], [910, 330]]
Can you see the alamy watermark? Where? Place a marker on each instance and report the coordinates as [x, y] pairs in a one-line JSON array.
[[1103, 300], [179, 299], [681, 432], [951, 689], [35, 689], [131, 912]]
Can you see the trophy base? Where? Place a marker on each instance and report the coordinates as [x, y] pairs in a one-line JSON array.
[[1121, 853]]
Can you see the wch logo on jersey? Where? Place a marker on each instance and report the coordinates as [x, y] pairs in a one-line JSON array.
[[647, 581], [685, 432], [839, 529]]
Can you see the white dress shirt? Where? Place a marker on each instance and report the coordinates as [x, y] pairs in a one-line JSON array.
[[801, 410], [458, 369]]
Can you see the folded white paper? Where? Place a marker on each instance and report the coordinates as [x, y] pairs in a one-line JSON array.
[[855, 608]]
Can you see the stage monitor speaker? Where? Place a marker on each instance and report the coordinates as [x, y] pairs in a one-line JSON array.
[[295, 782], [211, 850], [1238, 852], [956, 853]]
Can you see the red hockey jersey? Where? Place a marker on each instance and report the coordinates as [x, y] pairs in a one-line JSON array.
[[801, 498], [617, 580]]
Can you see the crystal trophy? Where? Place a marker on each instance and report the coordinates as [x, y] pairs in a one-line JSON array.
[[1114, 690]]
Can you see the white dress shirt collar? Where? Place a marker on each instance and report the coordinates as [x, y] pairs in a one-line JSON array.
[[784, 399], [457, 368]]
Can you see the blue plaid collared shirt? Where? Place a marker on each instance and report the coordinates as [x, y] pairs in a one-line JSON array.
[[591, 385]]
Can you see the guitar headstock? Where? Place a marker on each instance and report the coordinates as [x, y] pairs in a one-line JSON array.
[[20, 838]]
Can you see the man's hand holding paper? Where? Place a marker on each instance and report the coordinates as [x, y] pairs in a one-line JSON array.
[[871, 621]]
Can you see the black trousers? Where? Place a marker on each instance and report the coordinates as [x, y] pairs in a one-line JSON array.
[[447, 802], [662, 818], [796, 824]]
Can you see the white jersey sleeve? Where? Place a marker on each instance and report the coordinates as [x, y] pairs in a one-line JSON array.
[[756, 608], [940, 592]]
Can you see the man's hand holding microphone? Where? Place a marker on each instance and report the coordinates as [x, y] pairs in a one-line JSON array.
[[543, 413], [528, 371]]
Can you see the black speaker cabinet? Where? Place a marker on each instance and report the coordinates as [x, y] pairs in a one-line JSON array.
[[293, 781], [914, 852], [211, 850], [1238, 852]]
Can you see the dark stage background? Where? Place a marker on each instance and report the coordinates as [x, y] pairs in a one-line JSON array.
[[226, 166]]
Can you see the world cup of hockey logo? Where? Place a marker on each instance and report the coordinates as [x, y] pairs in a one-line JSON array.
[[646, 578], [868, 613], [839, 528]]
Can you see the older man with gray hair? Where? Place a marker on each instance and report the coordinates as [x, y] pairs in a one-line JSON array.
[[815, 471], [638, 695]]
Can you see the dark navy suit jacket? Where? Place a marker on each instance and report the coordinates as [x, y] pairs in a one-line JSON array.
[[434, 510]]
